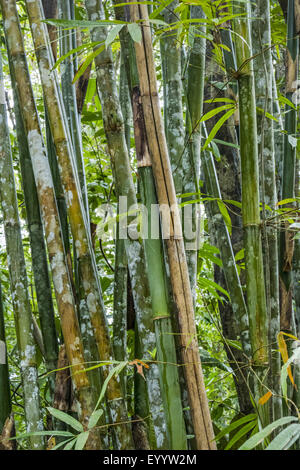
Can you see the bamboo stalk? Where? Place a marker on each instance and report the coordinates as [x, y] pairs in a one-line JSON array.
[[37, 244], [172, 88], [176, 254], [256, 296], [44, 184], [67, 43], [18, 280], [166, 352], [286, 247], [114, 130], [81, 236], [261, 34], [5, 402], [191, 157]]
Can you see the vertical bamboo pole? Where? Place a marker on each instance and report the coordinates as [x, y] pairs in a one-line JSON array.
[[261, 34], [172, 88], [5, 402], [191, 158], [65, 9], [44, 184], [18, 280], [175, 247], [86, 261], [37, 244], [256, 297], [114, 129], [286, 246], [166, 352]]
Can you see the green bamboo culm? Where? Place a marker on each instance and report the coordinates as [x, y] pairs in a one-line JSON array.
[[256, 297], [18, 280], [172, 231], [166, 352], [191, 158], [288, 170], [172, 88], [5, 402], [67, 39], [261, 41]]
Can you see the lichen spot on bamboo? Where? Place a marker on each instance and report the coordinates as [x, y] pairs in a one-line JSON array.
[[39, 159]]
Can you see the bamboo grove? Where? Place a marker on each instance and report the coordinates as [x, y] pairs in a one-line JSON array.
[[149, 237]]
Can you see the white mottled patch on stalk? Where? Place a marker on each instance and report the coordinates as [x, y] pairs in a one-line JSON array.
[[58, 271], [86, 285], [67, 298], [50, 237], [46, 76], [2, 95], [91, 303], [40, 162], [69, 198]]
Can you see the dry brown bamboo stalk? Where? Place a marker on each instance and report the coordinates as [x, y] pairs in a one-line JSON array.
[[202, 423]]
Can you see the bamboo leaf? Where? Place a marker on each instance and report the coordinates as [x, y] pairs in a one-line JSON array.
[[265, 398], [260, 436], [94, 418], [61, 444], [245, 429], [285, 438], [225, 215], [87, 62], [83, 23], [115, 371], [81, 440], [217, 126], [215, 111], [83, 47], [236, 424], [220, 100], [135, 32], [284, 354], [70, 444], [113, 34], [43, 433], [62, 416]]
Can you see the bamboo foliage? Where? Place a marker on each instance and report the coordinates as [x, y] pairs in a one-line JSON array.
[[176, 254]]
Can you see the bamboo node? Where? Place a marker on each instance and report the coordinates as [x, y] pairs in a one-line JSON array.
[[159, 317]]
